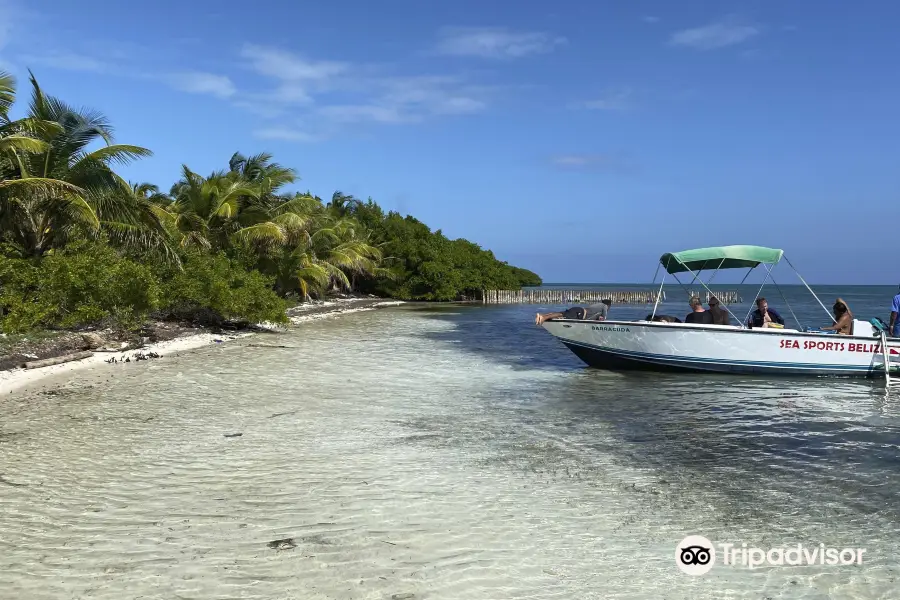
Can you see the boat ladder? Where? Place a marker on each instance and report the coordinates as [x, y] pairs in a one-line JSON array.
[[886, 355]]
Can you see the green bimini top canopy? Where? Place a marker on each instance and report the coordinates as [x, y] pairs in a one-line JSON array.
[[721, 257]]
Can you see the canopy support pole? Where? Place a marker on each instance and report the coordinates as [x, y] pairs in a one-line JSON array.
[[721, 262], [810, 289], [655, 274], [658, 295], [703, 266], [799, 324]]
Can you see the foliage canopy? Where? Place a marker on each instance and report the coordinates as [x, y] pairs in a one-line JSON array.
[[79, 244]]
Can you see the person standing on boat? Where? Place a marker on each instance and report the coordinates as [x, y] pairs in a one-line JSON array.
[[894, 326], [719, 314], [596, 312], [763, 316], [698, 316]]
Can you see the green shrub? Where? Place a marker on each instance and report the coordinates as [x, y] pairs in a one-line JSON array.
[[212, 289], [82, 285]]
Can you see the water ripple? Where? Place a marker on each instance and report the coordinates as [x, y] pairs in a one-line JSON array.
[[411, 454]]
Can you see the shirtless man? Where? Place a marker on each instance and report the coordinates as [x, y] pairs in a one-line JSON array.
[[597, 312]]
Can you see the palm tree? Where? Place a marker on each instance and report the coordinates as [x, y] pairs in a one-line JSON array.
[[260, 170], [16, 140], [136, 218], [242, 205], [343, 204], [151, 193], [53, 185], [329, 254], [206, 208]]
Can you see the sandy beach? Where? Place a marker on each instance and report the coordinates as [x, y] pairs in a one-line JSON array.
[[21, 379]]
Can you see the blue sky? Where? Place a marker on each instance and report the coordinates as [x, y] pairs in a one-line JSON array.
[[578, 139]]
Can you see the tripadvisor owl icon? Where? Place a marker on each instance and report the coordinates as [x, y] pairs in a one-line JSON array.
[[695, 555]]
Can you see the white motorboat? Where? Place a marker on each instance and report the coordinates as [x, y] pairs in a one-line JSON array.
[[664, 346]]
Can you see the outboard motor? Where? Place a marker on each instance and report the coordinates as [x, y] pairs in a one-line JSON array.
[[879, 326]]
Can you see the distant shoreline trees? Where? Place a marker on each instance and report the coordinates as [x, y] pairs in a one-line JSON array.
[[79, 245]]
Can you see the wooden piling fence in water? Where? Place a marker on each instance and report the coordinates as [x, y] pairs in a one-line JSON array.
[[539, 296]]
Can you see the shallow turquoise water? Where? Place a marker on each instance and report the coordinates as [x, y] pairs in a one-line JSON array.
[[449, 452]]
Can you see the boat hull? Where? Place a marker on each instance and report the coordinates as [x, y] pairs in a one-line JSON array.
[[676, 347]]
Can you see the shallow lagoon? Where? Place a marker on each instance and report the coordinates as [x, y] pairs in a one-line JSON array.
[[437, 453]]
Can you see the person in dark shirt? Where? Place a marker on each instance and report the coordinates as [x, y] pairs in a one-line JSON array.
[[698, 316], [763, 315], [719, 314], [662, 318]]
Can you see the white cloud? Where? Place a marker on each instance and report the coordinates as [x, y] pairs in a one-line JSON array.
[[591, 162], [192, 82], [650, 19], [495, 42], [410, 100], [287, 66], [290, 93], [67, 61], [434, 95], [297, 78], [577, 160], [355, 113], [726, 32], [252, 104], [198, 82], [612, 99], [286, 134], [331, 94]]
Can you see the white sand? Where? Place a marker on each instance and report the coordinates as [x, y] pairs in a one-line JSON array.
[[18, 378], [296, 319]]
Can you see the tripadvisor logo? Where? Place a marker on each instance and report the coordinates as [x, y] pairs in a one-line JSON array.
[[696, 555]]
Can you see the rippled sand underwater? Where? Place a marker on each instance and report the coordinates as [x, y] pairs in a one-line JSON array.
[[443, 454]]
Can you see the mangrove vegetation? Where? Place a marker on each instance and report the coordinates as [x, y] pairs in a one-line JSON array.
[[79, 245]]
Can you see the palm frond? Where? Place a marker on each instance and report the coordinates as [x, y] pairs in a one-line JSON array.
[[117, 153], [38, 108], [82, 125], [69, 211], [42, 185], [32, 127], [195, 240], [263, 233], [7, 94], [21, 143], [237, 162]]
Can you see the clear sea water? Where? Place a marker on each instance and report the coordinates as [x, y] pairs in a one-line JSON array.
[[442, 452]]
